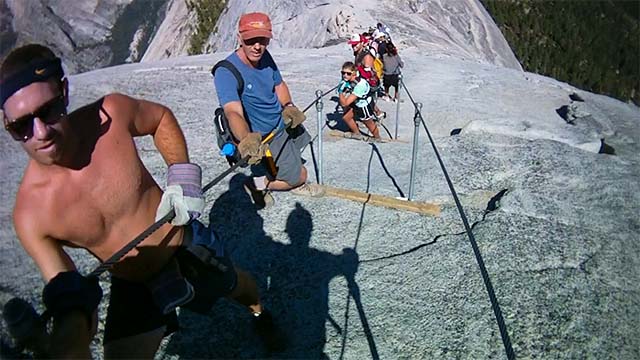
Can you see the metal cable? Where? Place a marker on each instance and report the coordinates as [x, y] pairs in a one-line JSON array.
[[108, 264], [476, 250]]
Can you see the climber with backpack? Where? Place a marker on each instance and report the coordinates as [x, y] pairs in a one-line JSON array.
[[261, 105], [355, 98], [365, 59]]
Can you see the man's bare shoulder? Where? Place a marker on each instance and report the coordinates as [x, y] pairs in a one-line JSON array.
[[119, 108], [117, 103], [117, 98], [31, 202]]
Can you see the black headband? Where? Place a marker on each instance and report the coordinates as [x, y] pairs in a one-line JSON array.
[[33, 72]]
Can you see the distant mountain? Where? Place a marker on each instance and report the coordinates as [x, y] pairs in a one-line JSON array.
[[91, 34], [461, 29]]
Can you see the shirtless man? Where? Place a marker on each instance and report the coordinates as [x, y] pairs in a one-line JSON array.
[[85, 186]]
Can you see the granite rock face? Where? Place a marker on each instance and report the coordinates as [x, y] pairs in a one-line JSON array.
[[174, 33], [449, 28], [93, 34], [555, 221]]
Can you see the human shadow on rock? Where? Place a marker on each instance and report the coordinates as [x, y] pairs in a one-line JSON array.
[[293, 279], [226, 331]]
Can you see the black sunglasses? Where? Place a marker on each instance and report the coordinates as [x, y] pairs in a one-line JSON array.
[[346, 73], [262, 40], [21, 129]]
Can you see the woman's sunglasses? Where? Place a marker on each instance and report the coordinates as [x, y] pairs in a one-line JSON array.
[[346, 73], [21, 129]]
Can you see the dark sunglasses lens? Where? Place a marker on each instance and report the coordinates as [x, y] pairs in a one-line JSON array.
[[253, 41], [346, 72], [20, 129], [50, 113]]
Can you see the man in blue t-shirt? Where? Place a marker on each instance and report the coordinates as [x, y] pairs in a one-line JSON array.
[[264, 106]]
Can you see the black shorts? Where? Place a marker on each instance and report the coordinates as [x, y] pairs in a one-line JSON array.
[[132, 310], [363, 113], [391, 80]]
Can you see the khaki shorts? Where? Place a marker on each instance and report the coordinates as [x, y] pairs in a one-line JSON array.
[[285, 149]]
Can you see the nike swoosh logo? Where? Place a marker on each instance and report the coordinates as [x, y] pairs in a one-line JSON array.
[[39, 71]]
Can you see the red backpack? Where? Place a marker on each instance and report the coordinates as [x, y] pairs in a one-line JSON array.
[[369, 75]]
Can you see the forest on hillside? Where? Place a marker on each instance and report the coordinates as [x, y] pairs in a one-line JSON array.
[[593, 45]]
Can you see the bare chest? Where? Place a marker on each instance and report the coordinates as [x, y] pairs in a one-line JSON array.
[[87, 207]]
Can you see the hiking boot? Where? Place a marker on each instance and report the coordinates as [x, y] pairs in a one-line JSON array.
[[273, 339], [312, 190], [262, 199]]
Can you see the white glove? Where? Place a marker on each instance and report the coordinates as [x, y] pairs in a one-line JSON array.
[[183, 194]]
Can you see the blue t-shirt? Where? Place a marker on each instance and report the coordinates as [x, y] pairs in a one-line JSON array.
[[259, 98]]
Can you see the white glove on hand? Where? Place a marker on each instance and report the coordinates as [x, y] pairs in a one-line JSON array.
[[183, 194]]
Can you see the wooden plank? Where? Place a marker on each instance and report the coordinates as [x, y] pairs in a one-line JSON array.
[[340, 134], [386, 201]]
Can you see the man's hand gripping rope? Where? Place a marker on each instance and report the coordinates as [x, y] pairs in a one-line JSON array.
[[169, 216]]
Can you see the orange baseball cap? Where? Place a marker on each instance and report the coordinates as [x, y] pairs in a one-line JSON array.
[[253, 25]]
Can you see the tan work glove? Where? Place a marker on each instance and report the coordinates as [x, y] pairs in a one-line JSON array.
[[252, 146], [292, 116]]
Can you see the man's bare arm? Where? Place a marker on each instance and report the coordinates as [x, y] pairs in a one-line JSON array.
[[72, 333], [183, 193], [235, 115], [149, 118], [346, 100], [46, 252], [283, 93]]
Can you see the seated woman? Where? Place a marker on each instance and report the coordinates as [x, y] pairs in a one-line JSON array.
[[354, 97]]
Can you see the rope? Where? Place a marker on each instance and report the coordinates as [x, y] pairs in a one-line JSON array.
[[384, 167], [318, 98], [323, 126], [353, 286], [506, 341], [108, 264], [387, 130]]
